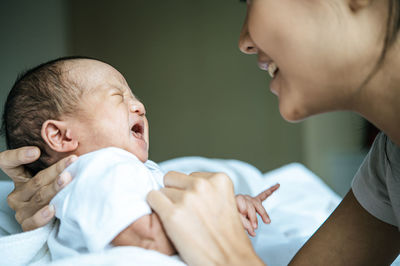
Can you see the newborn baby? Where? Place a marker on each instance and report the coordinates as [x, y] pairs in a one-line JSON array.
[[85, 107]]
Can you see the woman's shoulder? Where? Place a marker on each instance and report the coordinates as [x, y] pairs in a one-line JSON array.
[[392, 156], [377, 182], [385, 153], [385, 150]]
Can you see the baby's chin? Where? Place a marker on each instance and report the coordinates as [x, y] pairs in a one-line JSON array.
[[142, 157]]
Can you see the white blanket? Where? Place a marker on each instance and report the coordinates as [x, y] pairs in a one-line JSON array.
[[297, 209]]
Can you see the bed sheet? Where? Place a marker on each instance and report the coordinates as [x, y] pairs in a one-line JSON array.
[[297, 209]]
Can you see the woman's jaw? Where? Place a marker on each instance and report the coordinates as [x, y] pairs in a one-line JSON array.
[[317, 56]]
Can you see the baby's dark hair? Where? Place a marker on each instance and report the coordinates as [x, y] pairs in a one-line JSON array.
[[39, 94]]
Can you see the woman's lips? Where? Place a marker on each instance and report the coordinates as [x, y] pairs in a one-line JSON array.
[[273, 71], [270, 67], [274, 84], [263, 65]]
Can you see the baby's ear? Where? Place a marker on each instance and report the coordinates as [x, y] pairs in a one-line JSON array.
[[58, 137]]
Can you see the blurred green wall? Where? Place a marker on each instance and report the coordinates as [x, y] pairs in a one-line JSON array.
[[181, 58]]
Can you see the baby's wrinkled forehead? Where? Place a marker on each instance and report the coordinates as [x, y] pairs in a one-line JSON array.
[[90, 75]]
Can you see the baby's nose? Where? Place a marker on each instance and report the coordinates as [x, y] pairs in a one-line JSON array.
[[137, 107]]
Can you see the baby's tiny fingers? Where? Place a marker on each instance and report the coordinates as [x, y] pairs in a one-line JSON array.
[[241, 204], [268, 192], [263, 213], [252, 215], [247, 225]]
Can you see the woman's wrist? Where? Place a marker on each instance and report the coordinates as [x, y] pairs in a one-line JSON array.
[[240, 251], [243, 256]]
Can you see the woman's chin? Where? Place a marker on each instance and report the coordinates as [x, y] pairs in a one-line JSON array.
[[291, 113]]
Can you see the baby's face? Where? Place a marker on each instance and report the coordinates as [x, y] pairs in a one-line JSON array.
[[109, 115]]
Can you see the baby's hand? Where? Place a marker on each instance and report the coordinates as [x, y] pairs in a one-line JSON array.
[[249, 207]]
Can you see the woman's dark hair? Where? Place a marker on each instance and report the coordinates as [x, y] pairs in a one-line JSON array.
[[392, 30], [392, 27]]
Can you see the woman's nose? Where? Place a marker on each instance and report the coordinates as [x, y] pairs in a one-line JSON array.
[[137, 107], [246, 44]]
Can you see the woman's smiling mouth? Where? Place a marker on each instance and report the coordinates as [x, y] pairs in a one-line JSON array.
[[270, 67]]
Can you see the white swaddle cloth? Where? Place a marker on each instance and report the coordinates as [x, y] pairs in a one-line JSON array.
[[107, 194]]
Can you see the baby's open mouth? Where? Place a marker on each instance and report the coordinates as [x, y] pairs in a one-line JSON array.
[[137, 130]]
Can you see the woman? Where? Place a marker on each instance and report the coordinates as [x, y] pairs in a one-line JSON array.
[[323, 56]]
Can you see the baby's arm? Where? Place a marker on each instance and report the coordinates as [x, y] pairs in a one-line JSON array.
[[146, 232], [248, 208]]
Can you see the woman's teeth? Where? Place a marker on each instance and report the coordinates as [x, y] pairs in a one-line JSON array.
[[272, 68]]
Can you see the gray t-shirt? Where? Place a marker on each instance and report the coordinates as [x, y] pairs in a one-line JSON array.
[[376, 184]]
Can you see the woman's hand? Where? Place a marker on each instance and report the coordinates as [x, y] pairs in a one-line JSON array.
[[200, 216], [31, 195]]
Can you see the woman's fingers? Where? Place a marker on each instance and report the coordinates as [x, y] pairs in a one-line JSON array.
[[53, 172], [30, 196], [41, 198], [173, 194], [11, 162], [194, 180], [47, 182], [160, 203], [206, 175], [177, 180], [216, 179], [39, 219], [268, 192], [13, 158]]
